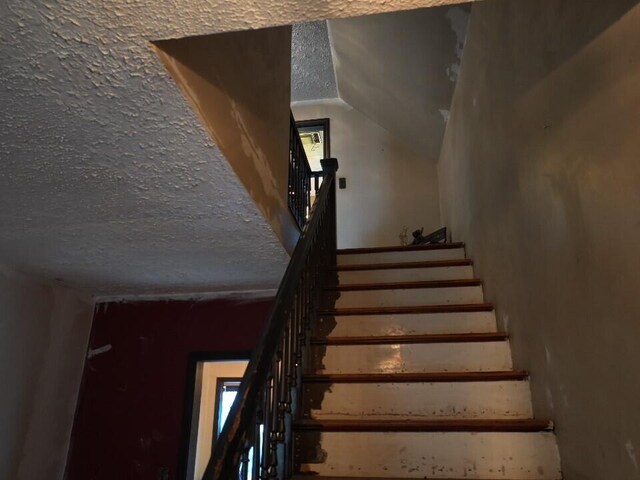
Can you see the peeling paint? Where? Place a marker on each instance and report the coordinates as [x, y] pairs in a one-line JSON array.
[[391, 68], [459, 20], [631, 451], [549, 395], [452, 71], [547, 355]]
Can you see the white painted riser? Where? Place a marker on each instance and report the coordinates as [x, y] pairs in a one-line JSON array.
[[513, 456], [423, 401], [409, 297], [412, 358], [394, 275], [397, 257], [408, 324]]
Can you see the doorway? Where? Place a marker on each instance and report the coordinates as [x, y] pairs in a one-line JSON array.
[[316, 142], [214, 383]]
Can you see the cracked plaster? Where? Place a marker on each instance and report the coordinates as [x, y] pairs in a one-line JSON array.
[[108, 181]]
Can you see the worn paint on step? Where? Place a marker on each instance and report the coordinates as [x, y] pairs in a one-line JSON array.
[[406, 324], [448, 357], [411, 401], [409, 297], [405, 275], [448, 455], [407, 256]]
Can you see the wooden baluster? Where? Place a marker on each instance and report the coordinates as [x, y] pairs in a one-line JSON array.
[[266, 434], [291, 364], [300, 185], [244, 463], [286, 361], [257, 441], [273, 422], [300, 328]]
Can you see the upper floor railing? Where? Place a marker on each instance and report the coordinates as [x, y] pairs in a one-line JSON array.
[[303, 182], [256, 441]]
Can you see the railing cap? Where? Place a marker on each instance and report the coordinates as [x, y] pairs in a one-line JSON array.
[[329, 165]]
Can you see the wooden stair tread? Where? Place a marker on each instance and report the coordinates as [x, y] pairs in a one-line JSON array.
[[404, 339], [454, 308], [448, 377], [466, 425], [463, 262], [467, 282], [406, 248]]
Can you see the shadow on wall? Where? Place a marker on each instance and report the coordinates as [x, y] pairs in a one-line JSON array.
[[399, 70], [539, 176], [239, 84], [561, 40]]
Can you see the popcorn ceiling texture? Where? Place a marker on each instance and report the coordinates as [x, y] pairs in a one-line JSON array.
[[312, 74], [108, 181]]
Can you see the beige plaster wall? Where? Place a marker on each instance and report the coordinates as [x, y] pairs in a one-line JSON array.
[[239, 83], [44, 332], [540, 175], [389, 185]]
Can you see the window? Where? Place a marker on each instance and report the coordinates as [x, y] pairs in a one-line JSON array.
[[226, 391], [214, 385], [315, 140]]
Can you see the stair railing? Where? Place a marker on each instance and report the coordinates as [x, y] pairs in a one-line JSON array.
[[300, 177], [256, 440]]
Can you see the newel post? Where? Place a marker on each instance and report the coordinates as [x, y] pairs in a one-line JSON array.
[[329, 165], [329, 168]]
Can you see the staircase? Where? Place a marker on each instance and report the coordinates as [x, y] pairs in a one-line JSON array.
[[407, 376]]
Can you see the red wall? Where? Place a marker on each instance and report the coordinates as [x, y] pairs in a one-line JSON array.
[[129, 420]]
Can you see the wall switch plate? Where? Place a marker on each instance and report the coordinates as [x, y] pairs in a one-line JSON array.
[[342, 183]]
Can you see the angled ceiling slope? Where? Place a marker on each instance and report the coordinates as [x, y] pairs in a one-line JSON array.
[[400, 69]]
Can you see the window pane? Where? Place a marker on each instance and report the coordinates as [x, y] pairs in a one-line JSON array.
[[226, 400]]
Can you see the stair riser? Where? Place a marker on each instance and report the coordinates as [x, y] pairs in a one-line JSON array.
[[419, 401], [408, 297], [430, 455], [405, 275], [411, 358], [406, 324], [397, 257]]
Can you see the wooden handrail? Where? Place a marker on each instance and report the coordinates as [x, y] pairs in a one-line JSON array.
[[261, 416]]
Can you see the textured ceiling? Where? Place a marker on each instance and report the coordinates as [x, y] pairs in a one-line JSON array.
[[400, 69], [108, 182], [312, 73]]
